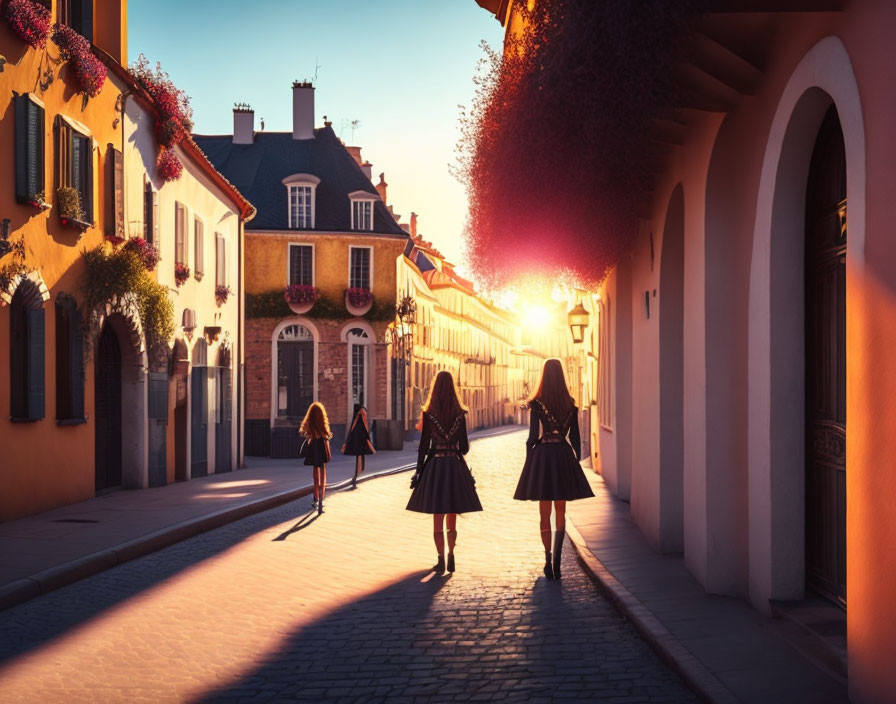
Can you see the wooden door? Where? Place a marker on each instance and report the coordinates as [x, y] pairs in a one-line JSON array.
[[296, 371], [826, 364], [108, 411]]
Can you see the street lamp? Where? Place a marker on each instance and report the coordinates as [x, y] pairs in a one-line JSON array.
[[578, 322]]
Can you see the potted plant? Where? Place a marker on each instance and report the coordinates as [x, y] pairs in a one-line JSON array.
[[70, 211], [29, 20], [358, 300], [38, 200], [222, 292], [181, 274], [300, 297]]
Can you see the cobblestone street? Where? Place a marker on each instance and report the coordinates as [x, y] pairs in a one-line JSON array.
[[341, 607]]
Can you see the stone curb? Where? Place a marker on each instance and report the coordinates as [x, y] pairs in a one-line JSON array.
[[27, 588], [707, 686]]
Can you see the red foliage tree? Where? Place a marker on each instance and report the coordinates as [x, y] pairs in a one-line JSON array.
[[555, 152]]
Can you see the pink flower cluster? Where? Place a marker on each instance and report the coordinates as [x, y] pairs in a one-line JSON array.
[[29, 20], [148, 254], [89, 71], [300, 293], [169, 100], [221, 294], [181, 274], [359, 297], [170, 132], [170, 167]]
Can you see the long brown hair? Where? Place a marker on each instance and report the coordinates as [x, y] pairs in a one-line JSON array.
[[444, 401], [552, 390], [316, 424]]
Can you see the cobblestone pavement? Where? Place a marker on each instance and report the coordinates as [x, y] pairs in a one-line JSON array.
[[286, 605]]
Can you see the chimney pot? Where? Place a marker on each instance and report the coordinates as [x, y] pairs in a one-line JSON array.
[[302, 110], [381, 188], [243, 124], [413, 224], [367, 168]]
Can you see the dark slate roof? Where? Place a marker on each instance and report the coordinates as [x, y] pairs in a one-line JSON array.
[[258, 170]]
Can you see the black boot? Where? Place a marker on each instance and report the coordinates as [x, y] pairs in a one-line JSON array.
[[439, 567], [558, 551], [548, 569], [450, 566]]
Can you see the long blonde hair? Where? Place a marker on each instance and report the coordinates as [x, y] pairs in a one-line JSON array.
[[316, 424]]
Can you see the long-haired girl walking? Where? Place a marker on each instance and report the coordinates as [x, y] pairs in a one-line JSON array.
[[315, 429], [357, 441], [443, 484], [552, 473]]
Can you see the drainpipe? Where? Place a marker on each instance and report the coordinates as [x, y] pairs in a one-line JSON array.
[[240, 423]]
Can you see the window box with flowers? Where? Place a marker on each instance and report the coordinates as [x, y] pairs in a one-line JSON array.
[[358, 300], [222, 293], [181, 274], [29, 20], [38, 201], [70, 212], [89, 71], [300, 297]]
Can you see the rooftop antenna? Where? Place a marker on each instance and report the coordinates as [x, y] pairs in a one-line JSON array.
[[317, 68], [355, 125]]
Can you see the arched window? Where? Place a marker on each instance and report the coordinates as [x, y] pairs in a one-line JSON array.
[[26, 353], [69, 361]]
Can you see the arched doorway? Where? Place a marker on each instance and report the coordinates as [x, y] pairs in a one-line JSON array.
[[825, 268], [199, 410], [295, 371], [107, 411], [359, 341], [671, 323]]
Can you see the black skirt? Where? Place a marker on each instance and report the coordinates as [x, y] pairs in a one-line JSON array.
[[317, 453], [356, 442], [446, 486], [552, 473]]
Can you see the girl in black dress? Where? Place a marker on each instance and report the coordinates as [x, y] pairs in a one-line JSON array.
[[552, 472], [357, 441], [443, 484], [316, 431]]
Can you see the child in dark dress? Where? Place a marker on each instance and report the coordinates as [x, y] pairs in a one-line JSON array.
[[443, 484], [357, 441], [315, 429], [551, 472]]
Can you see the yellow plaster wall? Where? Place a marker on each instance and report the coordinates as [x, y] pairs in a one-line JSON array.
[[45, 465], [267, 257]]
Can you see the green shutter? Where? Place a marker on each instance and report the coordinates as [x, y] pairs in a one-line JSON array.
[[29, 148], [36, 343], [158, 396], [86, 145]]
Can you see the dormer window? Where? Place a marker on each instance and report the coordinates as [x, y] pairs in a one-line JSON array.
[[362, 209], [301, 189]]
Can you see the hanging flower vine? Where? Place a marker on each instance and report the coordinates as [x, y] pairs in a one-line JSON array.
[[29, 20], [90, 72], [170, 167], [555, 152]]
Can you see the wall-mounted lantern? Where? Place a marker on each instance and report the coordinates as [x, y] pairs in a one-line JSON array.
[[578, 319]]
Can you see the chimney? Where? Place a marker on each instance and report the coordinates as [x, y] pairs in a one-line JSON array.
[[356, 154], [413, 224], [243, 124], [381, 188], [367, 168], [302, 110]]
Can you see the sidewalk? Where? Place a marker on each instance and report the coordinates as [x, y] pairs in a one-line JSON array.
[[49, 550], [722, 647]]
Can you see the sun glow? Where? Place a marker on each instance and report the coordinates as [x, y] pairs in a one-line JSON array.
[[536, 317]]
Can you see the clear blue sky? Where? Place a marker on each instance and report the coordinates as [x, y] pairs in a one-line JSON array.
[[401, 67]]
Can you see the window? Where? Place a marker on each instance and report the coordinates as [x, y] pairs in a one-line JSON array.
[[114, 192], [29, 119], [180, 234], [150, 214], [301, 258], [220, 260], [359, 267], [77, 14], [300, 190], [300, 206], [605, 366], [362, 215], [198, 248], [75, 164], [69, 361], [26, 354]]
